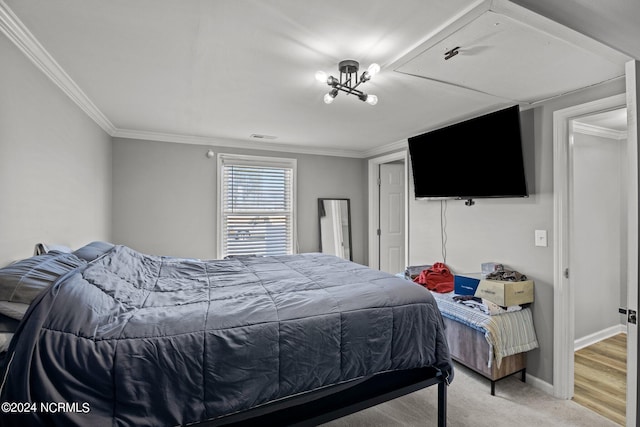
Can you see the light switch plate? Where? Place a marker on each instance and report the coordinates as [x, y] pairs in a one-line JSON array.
[[541, 238]]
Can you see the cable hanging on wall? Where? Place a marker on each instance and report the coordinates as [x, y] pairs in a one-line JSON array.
[[443, 229]]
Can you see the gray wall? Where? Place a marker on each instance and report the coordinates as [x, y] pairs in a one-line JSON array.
[[55, 164], [502, 230], [164, 197], [598, 243], [56, 187], [181, 221]]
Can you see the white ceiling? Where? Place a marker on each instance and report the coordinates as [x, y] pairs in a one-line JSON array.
[[218, 71]]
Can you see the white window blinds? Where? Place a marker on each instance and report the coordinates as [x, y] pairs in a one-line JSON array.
[[257, 205]]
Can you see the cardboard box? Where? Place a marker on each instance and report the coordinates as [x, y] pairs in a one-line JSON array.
[[505, 293], [466, 284]]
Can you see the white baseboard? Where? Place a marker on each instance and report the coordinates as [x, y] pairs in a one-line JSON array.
[[540, 384], [598, 336]]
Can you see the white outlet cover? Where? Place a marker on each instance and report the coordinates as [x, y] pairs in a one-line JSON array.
[[541, 238]]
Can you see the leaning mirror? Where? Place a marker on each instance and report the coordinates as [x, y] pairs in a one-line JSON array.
[[335, 227]]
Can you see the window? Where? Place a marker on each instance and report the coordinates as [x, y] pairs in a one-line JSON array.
[[256, 200]]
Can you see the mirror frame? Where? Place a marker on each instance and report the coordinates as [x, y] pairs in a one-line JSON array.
[[321, 207]]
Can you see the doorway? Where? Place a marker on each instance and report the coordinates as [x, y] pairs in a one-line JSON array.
[[598, 181], [388, 213], [565, 287]]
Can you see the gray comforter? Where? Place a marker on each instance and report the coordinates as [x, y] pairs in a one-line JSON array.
[[132, 339]]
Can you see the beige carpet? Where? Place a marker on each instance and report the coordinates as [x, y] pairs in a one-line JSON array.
[[469, 403]]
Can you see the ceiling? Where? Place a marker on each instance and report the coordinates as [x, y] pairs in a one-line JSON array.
[[218, 72]]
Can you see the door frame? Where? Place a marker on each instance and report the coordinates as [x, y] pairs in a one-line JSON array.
[[374, 205], [632, 81], [564, 309]]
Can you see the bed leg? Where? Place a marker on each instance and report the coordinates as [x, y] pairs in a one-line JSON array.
[[493, 388], [524, 375], [442, 404]]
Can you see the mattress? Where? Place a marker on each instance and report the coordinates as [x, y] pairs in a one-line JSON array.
[[147, 340]]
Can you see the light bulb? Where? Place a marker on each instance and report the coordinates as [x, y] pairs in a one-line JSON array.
[[321, 76], [328, 99], [371, 100], [373, 69]]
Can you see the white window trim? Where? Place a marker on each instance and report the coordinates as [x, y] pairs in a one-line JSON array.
[[248, 160]]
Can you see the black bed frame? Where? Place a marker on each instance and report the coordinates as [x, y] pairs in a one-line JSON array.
[[332, 403]]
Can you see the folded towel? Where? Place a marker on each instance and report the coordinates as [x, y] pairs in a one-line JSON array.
[[413, 271]]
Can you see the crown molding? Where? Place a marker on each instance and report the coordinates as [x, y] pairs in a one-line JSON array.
[[387, 148], [17, 32], [235, 143], [588, 129], [12, 27]]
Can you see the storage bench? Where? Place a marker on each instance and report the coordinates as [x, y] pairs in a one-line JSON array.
[[470, 348], [493, 346]]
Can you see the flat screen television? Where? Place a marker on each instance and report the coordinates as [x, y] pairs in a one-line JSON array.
[[478, 158]]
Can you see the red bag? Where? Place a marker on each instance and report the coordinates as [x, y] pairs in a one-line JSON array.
[[437, 278]]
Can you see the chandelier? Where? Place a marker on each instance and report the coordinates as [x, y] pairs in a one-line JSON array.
[[349, 81]]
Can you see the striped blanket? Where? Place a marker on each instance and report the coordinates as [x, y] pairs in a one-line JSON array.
[[507, 333]]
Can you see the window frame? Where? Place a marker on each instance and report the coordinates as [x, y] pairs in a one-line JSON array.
[[257, 161]]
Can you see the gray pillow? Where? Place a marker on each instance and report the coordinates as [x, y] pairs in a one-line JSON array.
[[23, 280], [7, 324], [5, 340], [14, 310], [93, 250]]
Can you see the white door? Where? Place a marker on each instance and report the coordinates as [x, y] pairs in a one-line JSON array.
[[392, 217], [633, 122]]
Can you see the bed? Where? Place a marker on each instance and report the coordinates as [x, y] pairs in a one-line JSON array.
[[126, 338]]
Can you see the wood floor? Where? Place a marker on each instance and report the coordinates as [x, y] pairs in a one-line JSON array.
[[601, 377]]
